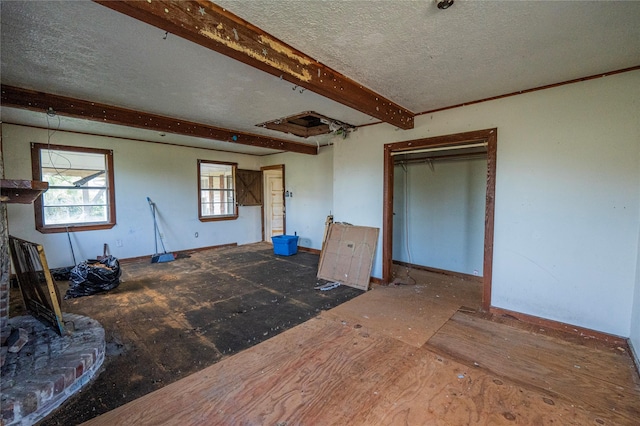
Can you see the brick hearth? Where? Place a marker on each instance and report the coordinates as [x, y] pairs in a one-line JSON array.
[[49, 368]]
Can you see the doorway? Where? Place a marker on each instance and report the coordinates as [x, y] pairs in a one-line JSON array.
[[461, 143], [274, 214]]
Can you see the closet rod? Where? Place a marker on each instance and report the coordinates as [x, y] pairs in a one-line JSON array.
[[440, 148], [454, 157]]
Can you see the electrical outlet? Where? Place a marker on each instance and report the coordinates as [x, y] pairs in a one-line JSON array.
[[118, 243]]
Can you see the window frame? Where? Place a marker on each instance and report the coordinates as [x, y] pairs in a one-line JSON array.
[[36, 171], [210, 218]]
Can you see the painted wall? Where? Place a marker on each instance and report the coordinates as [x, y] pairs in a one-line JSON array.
[[635, 314], [310, 178], [439, 214], [567, 199], [567, 217], [165, 173]]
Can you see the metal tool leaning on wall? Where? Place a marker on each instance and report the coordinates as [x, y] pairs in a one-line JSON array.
[[164, 256]]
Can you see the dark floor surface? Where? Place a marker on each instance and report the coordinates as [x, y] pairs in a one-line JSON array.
[[169, 320]]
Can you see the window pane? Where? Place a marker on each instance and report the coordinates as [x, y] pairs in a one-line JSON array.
[[71, 168], [216, 176], [217, 190], [78, 187], [75, 214], [63, 196], [215, 203]]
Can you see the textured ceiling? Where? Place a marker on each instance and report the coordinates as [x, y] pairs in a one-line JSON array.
[[424, 58], [419, 56], [87, 51]]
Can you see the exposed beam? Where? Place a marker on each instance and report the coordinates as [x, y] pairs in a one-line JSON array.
[[215, 28], [38, 101]]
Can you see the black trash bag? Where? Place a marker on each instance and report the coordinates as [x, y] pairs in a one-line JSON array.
[[61, 274], [94, 276]]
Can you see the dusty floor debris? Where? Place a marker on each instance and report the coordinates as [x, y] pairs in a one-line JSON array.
[[166, 321], [399, 355]]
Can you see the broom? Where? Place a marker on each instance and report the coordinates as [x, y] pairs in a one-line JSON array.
[[158, 257]]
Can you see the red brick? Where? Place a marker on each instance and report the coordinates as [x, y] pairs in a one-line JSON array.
[[73, 361], [43, 390], [69, 374], [25, 401], [58, 383]]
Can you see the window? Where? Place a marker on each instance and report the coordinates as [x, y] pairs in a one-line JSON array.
[[217, 191], [81, 191]]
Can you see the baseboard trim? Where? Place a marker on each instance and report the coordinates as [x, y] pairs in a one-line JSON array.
[[177, 252], [635, 356], [309, 250], [561, 326], [375, 280], [464, 276], [220, 246]]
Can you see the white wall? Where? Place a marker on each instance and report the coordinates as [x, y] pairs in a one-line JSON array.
[[358, 180], [635, 314], [166, 173], [445, 207], [310, 178], [567, 218], [567, 200]]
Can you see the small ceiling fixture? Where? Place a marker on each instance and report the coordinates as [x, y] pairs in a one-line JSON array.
[[308, 123], [444, 4]]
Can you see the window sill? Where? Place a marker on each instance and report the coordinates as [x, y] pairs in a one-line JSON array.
[[74, 228], [217, 218]]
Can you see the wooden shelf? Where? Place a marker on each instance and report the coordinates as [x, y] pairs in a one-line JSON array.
[[21, 191]]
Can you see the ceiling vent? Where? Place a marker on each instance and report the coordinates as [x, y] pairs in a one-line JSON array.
[[307, 124]]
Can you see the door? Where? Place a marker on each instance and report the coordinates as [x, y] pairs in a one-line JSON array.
[[274, 208]]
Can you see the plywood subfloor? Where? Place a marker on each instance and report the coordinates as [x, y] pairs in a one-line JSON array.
[[327, 372], [332, 370], [602, 380], [418, 310]]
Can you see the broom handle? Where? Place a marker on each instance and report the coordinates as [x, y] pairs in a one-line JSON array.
[[155, 227], [162, 242]]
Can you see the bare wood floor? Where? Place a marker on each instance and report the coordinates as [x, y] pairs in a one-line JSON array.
[[404, 355], [167, 321]]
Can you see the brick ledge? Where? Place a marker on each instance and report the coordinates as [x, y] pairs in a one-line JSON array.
[[49, 368]]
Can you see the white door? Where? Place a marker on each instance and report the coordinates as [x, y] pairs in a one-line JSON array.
[[274, 204]]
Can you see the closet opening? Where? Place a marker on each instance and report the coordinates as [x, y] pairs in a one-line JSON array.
[[439, 204]]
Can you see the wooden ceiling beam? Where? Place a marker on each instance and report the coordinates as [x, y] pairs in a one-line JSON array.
[[215, 28], [38, 101]]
